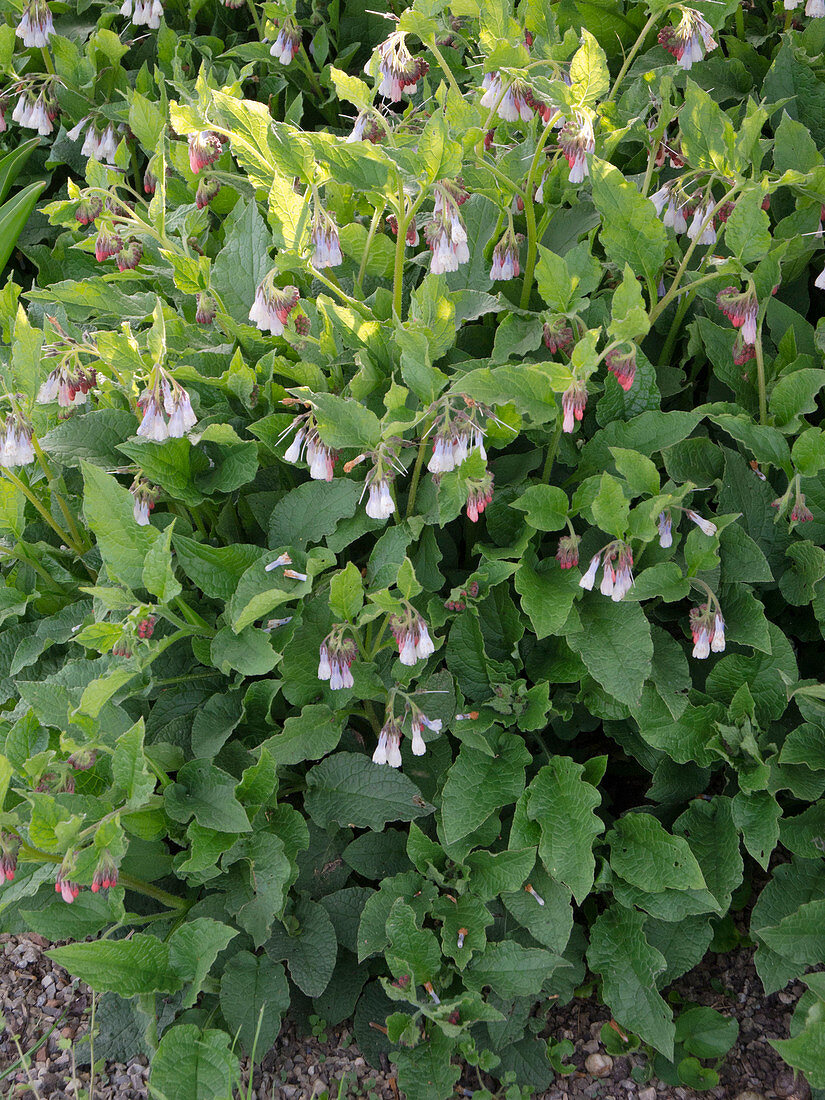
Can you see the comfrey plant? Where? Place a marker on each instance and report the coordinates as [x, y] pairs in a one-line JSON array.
[[412, 510]]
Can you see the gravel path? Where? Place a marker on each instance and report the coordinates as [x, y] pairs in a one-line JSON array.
[[38, 996]]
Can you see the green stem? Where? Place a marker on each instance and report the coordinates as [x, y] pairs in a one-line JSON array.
[[376, 221], [356, 305], [191, 616], [634, 49], [530, 215], [20, 555], [506, 182], [419, 462], [740, 23], [673, 331], [552, 447], [259, 27], [47, 60], [64, 507], [36, 855], [445, 68], [760, 376], [30, 496], [313, 79], [400, 245]]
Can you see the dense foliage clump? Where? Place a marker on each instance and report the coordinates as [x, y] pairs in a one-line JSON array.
[[413, 509]]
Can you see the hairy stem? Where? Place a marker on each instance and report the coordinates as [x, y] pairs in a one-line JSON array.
[[430, 43]]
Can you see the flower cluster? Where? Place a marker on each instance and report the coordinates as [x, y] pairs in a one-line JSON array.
[[398, 69], [336, 656], [64, 886], [144, 501], [325, 242], [573, 404], [273, 305], [446, 234], [165, 399], [36, 26], [105, 876], [16, 442], [576, 140], [505, 258], [622, 365], [453, 442], [480, 495], [8, 858], [412, 637], [567, 554], [67, 385], [36, 111], [144, 13], [742, 309], [617, 580], [708, 629], [288, 42], [512, 103], [557, 335], [204, 149], [690, 40], [308, 444]]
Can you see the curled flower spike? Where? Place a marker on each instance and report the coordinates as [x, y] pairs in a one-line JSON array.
[[105, 876], [412, 637], [129, 256], [150, 181], [146, 627], [665, 524], [742, 351], [388, 749], [144, 497], [505, 258], [704, 525], [208, 188], [288, 42], [273, 305], [87, 210], [326, 244], [622, 367], [36, 26], [573, 403], [533, 894], [169, 398], [16, 442], [690, 40], [398, 69], [801, 513], [335, 658], [207, 308], [706, 235], [481, 493], [66, 385], [369, 126], [8, 857], [576, 140], [204, 149], [741, 309], [567, 554], [412, 238], [557, 335], [708, 630], [107, 243], [516, 102]]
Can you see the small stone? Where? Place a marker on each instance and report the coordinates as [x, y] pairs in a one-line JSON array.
[[591, 1047], [647, 1094], [750, 1094], [599, 1065]]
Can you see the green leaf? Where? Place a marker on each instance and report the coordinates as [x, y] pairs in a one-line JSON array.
[[495, 873], [250, 652], [562, 802], [216, 570], [214, 722], [547, 594], [193, 948], [254, 996], [645, 855], [309, 735], [313, 510], [122, 543], [14, 213], [93, 436], [512, 970], [129, 770], [158, 573], [806, 1051], [546, 507], [243, 261], [207, 793], [631, 233], [427, 1072], [346, 593], [800, 936], [629, 316], [310, 951], [589, 75], [348, 788], [615, 645], [140, 964], [610, 507], [477, 784], [191, 1064], [747, 230], [629, 966], [707, 133], [343, 422], [411, 951]]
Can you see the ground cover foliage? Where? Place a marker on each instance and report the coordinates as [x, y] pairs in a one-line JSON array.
[[413, 507]]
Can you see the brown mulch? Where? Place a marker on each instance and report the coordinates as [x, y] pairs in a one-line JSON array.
[[37, 994]]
